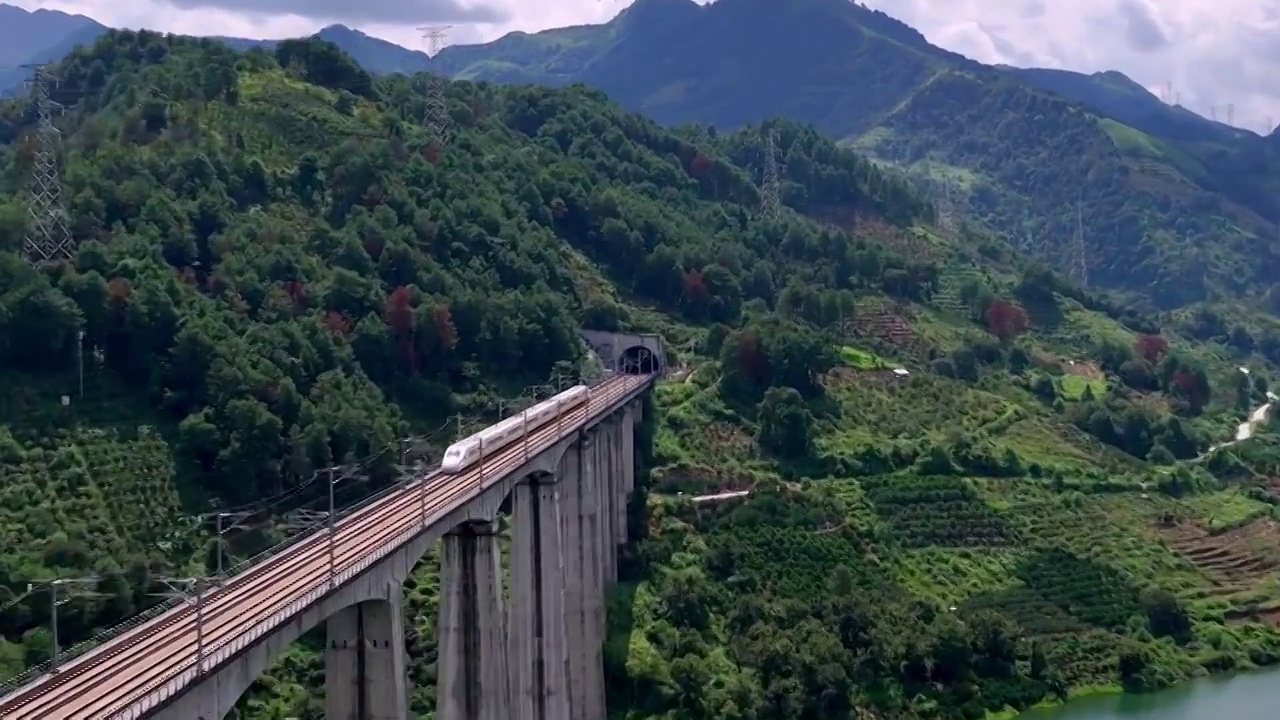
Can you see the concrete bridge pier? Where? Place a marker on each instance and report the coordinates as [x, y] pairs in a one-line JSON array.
[[591, 584], [582, 586], [538, 654], [473, 680], [364, 662], [608, 485]]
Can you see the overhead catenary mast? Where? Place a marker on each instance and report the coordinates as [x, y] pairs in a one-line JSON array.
[[48, 236], [436, 118]]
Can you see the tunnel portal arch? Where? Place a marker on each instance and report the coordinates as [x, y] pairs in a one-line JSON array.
[[623, 352], [639, 360]]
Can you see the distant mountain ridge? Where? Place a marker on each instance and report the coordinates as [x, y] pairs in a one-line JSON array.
[[41, 36], [24, 34], [561, 56], [1177, 209]]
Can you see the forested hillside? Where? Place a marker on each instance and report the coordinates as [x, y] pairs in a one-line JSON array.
[[279, 270], [1173, 209], [1177, 213], [1016, 158]]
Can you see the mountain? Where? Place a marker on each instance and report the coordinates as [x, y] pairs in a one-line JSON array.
[[280, 269], [28, 38], [1176, 209], [692, 81], [375, 55], [1116, 96], [24, 34], [40, 36]]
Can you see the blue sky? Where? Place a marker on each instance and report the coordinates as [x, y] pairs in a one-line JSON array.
[[1213, 52]]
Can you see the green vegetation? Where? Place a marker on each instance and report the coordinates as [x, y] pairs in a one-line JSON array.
[[1018, 150], [279, 270]]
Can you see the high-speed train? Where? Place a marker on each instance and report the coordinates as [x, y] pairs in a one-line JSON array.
[[466, 452]]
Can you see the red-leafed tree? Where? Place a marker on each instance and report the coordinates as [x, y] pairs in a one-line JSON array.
[[1151, 348], [693, 286], [751, 358], [446, 333], [337, 323], [399, 316], [700, 166], [119, 288], [398, 311], [1006, 320], [1192, 385], [297, 294]]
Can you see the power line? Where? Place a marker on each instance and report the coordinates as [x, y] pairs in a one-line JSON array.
[[436, 118], [48, 237], [75, 587], [183, 589], [221, 528], [303, 519]]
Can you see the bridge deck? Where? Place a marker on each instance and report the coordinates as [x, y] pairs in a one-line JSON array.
[[148, 664]]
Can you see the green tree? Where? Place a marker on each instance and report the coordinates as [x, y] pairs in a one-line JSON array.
[[786, 425]]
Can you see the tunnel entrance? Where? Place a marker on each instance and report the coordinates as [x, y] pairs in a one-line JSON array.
[[639, 360]]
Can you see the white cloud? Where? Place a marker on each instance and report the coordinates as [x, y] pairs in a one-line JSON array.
[[1213, 52]]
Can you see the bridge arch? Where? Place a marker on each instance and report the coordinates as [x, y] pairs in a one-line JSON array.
[[376, 593], [374, 588], [238, 672]]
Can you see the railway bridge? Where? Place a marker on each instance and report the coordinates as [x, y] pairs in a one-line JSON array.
[[536, 656]]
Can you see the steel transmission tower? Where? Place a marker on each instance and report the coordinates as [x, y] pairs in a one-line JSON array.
[[48, 237], [1077, 259], [770, 189], [944, 205], [437, 114]]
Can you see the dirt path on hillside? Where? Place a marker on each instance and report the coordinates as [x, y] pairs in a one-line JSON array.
[[1246, 429]]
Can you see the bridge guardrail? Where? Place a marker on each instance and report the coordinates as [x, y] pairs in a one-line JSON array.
[[84, 647], [214, 656]]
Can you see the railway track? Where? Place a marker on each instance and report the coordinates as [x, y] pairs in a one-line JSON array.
[[117, 676]]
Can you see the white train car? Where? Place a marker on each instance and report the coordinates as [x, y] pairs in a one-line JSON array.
[[493, 439]]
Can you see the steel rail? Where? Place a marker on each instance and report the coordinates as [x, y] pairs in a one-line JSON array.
[[391, 524], [238, 613], [571, 417]]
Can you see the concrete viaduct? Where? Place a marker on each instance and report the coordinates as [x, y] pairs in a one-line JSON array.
[[536, 656]]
